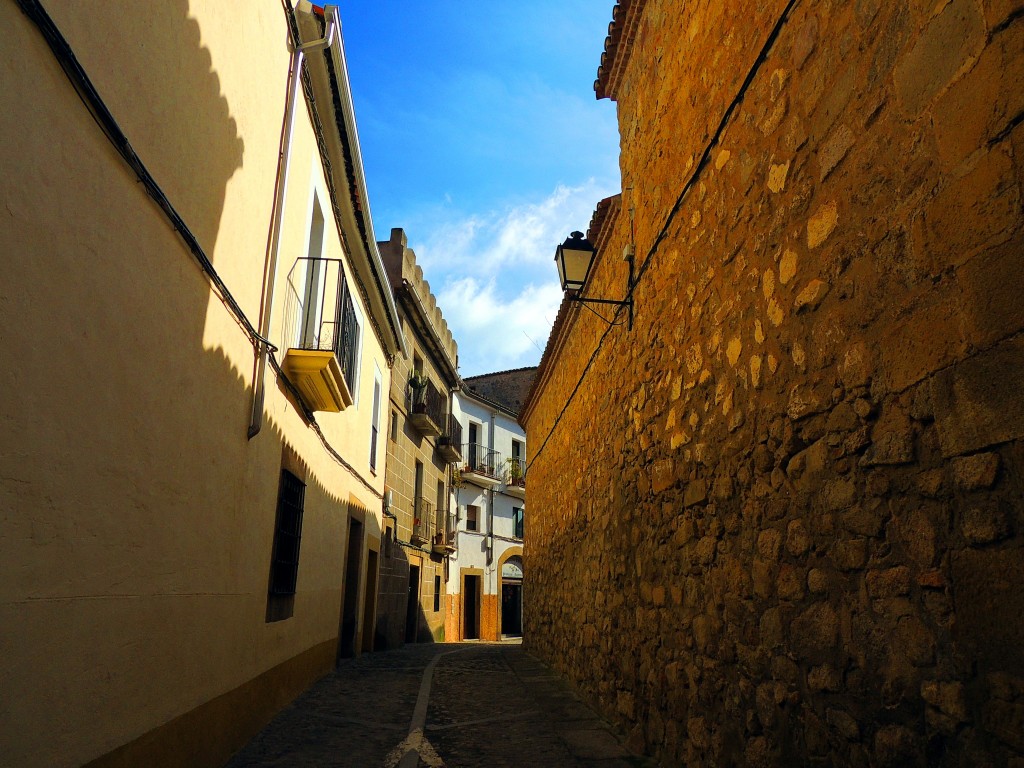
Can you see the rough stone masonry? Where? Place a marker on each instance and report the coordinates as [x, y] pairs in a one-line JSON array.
[[779, 522]]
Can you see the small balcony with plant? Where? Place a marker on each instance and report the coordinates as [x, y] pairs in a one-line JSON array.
[[444, 535], [322, 334], [483, 467], [426, 406], [515, 477], [422, 521], [449, 444]]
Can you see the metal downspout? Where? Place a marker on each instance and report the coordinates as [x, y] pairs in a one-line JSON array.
[[490, 505], [283, 164]]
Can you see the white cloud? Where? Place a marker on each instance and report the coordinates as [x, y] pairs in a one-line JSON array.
[[495, 279], [495, 333], [485, 244]]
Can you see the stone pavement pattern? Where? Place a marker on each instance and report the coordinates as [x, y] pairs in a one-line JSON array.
[[490, 704]]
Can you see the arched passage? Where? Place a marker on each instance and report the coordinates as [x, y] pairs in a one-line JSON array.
[[510, 604]]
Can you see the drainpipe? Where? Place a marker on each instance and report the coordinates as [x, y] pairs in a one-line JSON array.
[[283, 162], [490, 505]]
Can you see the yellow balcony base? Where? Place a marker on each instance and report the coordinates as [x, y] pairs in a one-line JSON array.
[[317, 375]]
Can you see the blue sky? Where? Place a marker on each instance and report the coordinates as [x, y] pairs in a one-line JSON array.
[[481, 137]]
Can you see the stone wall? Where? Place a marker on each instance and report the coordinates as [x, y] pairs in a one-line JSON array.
[[779, 521]]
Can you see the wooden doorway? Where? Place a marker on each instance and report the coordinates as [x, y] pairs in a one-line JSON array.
[[471, 607]]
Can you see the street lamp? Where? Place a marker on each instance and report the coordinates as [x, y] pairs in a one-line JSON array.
[[574, 258]]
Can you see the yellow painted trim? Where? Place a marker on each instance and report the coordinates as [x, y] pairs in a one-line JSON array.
[[212, 732], [317, 375]]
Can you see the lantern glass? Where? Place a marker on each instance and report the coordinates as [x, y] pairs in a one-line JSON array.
[[573, 258]]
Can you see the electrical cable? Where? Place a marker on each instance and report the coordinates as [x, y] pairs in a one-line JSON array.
[[105, 120], [705, 159], [99, 112]]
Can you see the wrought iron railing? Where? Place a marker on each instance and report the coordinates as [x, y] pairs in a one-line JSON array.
[[319, 313], [423, 519], [428, 399], [515, 472], [452, 431], [482, 461]]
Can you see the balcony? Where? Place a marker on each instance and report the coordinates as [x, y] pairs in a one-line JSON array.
[[422, 522], [321, 327], [515, 477], [444, 535], [449, 444], [426, 407], [483, 467]]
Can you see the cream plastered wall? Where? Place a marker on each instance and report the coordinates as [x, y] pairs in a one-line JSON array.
[[137, 518]]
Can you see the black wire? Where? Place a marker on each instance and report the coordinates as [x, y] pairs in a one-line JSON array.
[[105, 120], [97, 109], [609, 322], [691, 181]]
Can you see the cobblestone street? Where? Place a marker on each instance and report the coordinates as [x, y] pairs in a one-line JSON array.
[[453, 705]]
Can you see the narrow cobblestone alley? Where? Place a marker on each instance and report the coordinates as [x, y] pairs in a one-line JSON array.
[[452, 705]]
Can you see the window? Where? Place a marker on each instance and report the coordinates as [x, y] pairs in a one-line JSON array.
[[472, 518], [312, 299], [375, 419], [474, 453], [437, 594], [284, 563], [517, 522], [517, 449], [394, 426]]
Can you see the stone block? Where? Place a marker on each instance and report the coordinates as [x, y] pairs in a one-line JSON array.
[[974, 212], [978, 403], [850, 555], [892, 440], [971, 473], [991, 285], [821, 224], [696, 492], [1006, 720], [985, 525], [864, 521], [937, 55], [896, 746], [815, 631], [790, 583], [769, 544], [811, 296], [989, 607], [916, 533], [662, 475], [929, 339], [915, 642], [834, 150], [798, 541], [891, 582], [947, 697], [981, 103], [817, 581], [838, 494], [825, 677]]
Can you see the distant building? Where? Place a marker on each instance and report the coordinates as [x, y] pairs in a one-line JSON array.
[[485, 576], [422, 442], [192, 517]]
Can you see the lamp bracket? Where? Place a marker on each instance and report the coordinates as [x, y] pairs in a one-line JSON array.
[[626, 302]]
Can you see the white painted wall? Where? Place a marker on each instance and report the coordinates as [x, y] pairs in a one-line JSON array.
[[497, 431]]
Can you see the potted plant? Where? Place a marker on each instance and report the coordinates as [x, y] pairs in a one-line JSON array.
[[418, 386], [515, 470]]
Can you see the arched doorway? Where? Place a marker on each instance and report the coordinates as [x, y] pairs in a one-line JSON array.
[[512, 596]]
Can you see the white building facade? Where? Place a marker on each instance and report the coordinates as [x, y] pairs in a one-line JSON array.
[[485, 575]]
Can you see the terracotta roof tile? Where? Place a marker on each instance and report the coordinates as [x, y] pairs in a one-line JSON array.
[[617, 46]]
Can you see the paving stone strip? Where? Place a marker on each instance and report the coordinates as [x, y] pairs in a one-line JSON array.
[[466, 705]]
